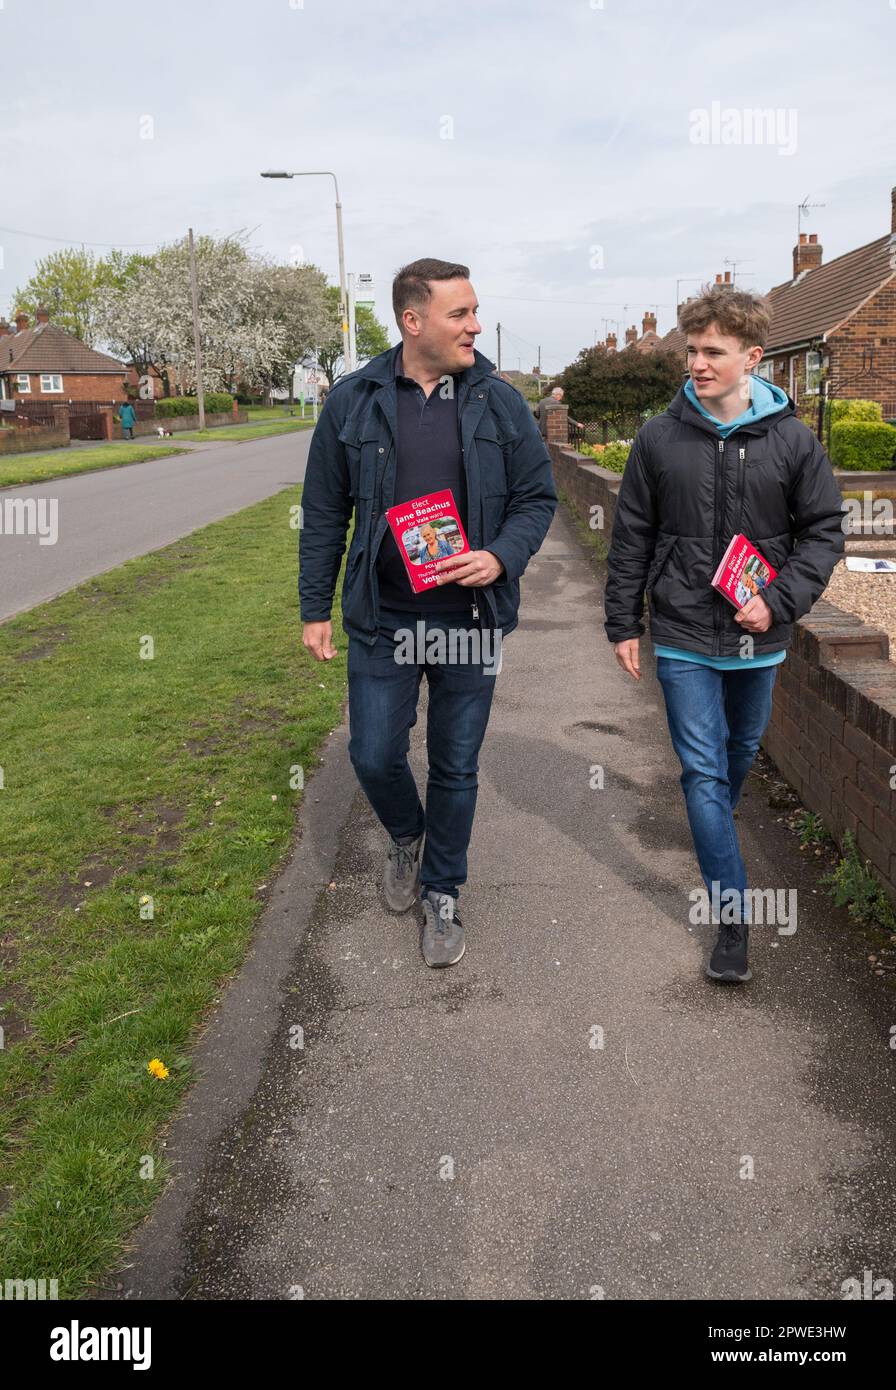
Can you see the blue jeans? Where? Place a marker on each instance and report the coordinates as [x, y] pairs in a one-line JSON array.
[[716, 719], [382, 702]]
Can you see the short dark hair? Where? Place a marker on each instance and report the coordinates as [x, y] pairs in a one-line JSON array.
[[410, 288], [734, 312]]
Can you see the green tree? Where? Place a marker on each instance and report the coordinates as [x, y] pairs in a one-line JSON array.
[[371, 337], [68, 284], [619, 386]]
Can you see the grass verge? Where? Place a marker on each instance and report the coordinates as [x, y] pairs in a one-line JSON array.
[[146, 804], [278, 412], [16, 471], [261, 430]]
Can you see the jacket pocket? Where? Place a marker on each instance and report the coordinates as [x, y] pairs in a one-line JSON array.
[[664, 547], [360, 442], [493, 444], [356, 600]]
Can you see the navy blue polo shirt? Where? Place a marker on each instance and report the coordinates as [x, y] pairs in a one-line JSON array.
[[428, 458]]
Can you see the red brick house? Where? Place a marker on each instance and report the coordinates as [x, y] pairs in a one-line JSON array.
[[836, 324], [833, 326], [46, 365], [134, 378]]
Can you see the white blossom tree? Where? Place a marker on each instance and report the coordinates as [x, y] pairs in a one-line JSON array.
[[257, 319]]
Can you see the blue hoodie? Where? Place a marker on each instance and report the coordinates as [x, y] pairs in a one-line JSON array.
[[765, 399]]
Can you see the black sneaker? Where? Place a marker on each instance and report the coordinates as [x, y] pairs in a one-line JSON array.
[[401, 877], [728, 961], [441, 930]]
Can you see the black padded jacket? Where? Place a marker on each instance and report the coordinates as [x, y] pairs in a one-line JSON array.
[[685, 492]]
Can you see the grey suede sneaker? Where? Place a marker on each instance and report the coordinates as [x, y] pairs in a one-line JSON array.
[[401, 879], [441, 930]]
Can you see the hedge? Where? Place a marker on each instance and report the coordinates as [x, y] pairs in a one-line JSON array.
[[862, 444], [842, 410], [216, 402]]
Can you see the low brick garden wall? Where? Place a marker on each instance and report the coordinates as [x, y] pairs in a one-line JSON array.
[[176, 423], [23, 441], [832, 733]]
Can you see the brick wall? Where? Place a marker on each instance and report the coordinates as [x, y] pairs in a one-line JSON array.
[[586, 485], [185, 422], [15, 441], [832, 732]]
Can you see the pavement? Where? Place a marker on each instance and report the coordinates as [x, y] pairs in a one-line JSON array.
[[573, 1111], [112, 515]]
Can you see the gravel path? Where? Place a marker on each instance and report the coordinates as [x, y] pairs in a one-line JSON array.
[[872, 597]]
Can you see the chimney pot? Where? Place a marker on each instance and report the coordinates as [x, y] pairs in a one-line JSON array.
[[727, 277], [5, 329], [41, 314], [21, 322], [813, 238]]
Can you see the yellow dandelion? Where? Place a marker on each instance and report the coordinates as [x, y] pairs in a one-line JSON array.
[[157, 1068]]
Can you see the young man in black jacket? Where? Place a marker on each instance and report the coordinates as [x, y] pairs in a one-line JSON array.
[[729, 456], [427, 415]]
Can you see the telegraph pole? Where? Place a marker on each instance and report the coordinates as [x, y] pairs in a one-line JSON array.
[[197, 342], [499, 349]]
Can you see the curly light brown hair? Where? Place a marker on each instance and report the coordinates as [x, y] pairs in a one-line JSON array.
[[734, 313]]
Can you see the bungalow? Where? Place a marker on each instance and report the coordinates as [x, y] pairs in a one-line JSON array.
[[46, 365], [833, 330], [834, 326]]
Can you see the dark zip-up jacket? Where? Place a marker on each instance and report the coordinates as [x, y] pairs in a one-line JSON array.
[[351, 468], [685, 492]]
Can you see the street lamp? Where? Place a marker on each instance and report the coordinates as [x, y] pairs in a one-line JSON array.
[[343, 295]]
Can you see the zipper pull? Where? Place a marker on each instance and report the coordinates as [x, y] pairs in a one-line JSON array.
[[721, 446], [476, 610], [742, 452]]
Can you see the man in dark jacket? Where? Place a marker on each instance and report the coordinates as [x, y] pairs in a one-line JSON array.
[[728, 457], [426, 416]]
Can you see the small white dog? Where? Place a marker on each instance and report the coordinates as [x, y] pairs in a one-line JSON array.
[[162, 432]]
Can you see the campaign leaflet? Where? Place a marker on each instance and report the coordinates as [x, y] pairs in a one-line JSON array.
[[743, 572], [426, 530]]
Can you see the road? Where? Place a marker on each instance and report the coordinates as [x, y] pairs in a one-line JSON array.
[[115, 514], [574, 1110]]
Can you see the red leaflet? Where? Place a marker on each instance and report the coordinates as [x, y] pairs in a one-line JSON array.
[[743, 572], [426, 530]]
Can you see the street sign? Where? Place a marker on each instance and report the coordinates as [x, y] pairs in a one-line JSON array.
[[364, 294]]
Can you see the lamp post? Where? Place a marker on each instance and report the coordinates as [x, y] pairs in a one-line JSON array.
[[343, 294]]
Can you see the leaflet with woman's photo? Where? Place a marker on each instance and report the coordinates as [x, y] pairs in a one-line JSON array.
[[426, 530], [743, 572]]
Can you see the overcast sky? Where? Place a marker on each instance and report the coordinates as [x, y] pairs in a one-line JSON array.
[[571, 180]]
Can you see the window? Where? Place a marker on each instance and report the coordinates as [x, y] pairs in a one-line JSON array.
[[23, 384], [813, 373], [50, 383], [764, 370]]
